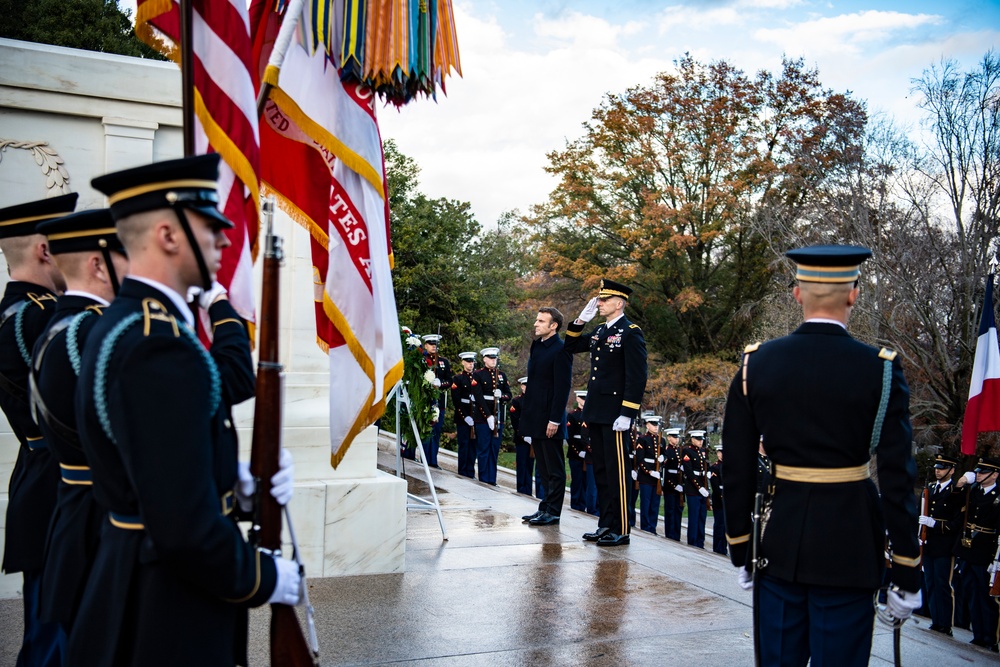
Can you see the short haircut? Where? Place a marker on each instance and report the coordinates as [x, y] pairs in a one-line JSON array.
[[17, 249], [554, 313]]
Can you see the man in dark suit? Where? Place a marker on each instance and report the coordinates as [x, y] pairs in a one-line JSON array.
[[944, 506], [824, 403], [543, 417], [617, 381], [28, 304]]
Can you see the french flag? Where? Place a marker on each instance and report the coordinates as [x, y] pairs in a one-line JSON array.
[[983, 410]]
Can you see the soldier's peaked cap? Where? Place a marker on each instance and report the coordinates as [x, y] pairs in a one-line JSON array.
[[652, 419], [988, 465], [490, 352], [190, 182], [522, 380], [674, 432], [581, 393], [943, 461], [828, 263], [611, 288], [82, 231], [467, 356], [697, 434], [433, 339], [22, 219]]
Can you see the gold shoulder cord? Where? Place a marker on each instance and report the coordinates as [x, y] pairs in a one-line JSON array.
[[154, 310], [746, 361]]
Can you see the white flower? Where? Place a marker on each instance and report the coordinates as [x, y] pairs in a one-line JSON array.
[[435, 413], [413, 341], [429, 376]]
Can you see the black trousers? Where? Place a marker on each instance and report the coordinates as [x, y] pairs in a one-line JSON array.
[[551, 462], [610, 450]]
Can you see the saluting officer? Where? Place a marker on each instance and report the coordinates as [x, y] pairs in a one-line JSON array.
[[718, 516], [153, 412], [976, 550], [823, 402], [694, 468], [944, 506], [490, 393], [617, 381], [92, 260], [442, 380], [465, 426], [28, 304], [673, 485], [648, 457], [576, 452]]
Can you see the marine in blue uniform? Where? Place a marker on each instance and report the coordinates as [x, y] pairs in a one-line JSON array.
[[618, 374], [944, 506], [490, 394], [28, 304], [718, 516], [824, 403], [576, 453], [442, 380], [694, 471], [173, 575], [92, 261], [524, 459], [976, 550], [672, 483], [648, 457], [465, 426]]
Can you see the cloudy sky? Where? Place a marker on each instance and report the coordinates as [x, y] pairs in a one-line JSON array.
[[533, 70]]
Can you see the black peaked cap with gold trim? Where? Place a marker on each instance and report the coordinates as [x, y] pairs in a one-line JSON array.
[[943, 461], [828, 263], [988, 465], [82, 231], [611, 288], [190, 182], [21, 220]]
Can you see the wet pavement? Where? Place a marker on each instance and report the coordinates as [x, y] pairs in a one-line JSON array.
[[500, 593]]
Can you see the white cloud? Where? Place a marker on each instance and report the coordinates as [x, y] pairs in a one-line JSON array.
[[693, 18], [845, 34]]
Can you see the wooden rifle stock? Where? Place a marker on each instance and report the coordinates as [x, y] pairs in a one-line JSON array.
[[288, 644], [657, 450], [925, 504]]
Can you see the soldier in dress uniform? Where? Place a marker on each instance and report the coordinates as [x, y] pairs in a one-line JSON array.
[[28, 304], [524, 459], [718, 516], [93, 262], [694, 470], [576, 452], [490, 393], [648, 457], [824, 403], [617, 381], [173, 575], [465, 427], [632, 483], [442, 380], [672, 484], [977, 548], [944, 505]]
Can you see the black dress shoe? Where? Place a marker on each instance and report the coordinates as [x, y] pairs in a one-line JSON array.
[[527, 518], [943, 629], [610, 539], [596, 535], [544, 520], [984, 643]]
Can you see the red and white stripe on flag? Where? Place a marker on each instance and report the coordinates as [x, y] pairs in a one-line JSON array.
[[225, 106], [323, 159], [982, 413]]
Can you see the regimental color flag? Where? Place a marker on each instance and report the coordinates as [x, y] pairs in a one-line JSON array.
[[225, 120], [982, 413], [322, 158]]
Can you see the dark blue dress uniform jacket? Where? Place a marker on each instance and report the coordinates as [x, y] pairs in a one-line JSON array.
[[76, 524], [945, 507], [550, 374], [981, 528], [35, 478], [174, 591], [617, 377], [814, 396]]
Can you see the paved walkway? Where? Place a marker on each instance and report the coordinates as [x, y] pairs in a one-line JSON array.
[[500, 593]]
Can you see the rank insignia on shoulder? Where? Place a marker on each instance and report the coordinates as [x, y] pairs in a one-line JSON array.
[[751, 348], [633, 326], [887, 354], [154, 311], [38, 300]]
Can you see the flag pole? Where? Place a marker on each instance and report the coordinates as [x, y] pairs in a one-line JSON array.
[[293, 14], [187, 77]]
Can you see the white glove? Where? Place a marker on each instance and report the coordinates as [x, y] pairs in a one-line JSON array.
[[992, 568], [902, 604], [679, 489], [527, 439], [436, 383], [244, 486], [583, 455], [490, 421], [208, 297], [703, 491], [588, 311], [287, 588], [970, 477], [623, 423], [635, 475], [468, 420], [283, 481], [926, 521], [497, 393], [660, 458], [744, 579]]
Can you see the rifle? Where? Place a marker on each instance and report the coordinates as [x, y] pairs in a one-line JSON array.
[[925, 503], [288, 644], [657, 448], [496, 400]]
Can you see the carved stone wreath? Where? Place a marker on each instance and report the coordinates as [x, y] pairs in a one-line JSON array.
[[50, 162]]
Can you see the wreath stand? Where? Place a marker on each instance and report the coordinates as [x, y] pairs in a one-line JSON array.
[[403, 397]]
